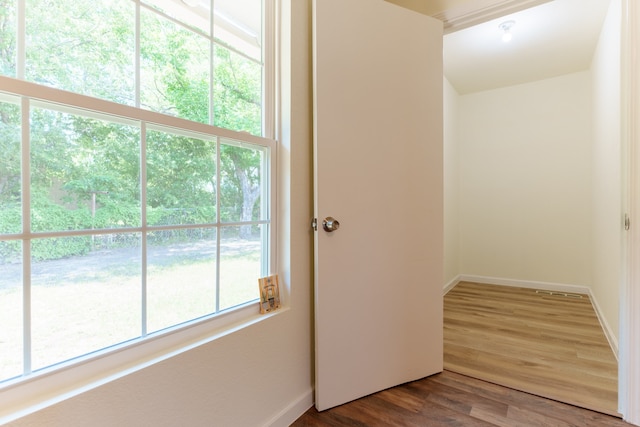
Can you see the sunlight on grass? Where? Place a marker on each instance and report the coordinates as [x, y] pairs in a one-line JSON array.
[[75, 314], [10, 332], [79, 318], [179, 293], [239, 279]]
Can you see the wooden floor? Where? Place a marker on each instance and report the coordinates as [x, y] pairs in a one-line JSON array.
[[450, 399], [549, 345], [512, 357]]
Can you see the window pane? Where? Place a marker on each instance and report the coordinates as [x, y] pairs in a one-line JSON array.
[[8, 37], [88, 285], [81, 304], [238, 24], [240, 266], [84, 173], [241, 183], [83, 46], [10, 181], [181, 179], [181, 276], [10, 309], [175, 71], [237, 92]]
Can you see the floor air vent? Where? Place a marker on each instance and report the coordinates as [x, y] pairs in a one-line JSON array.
[[558, 294]]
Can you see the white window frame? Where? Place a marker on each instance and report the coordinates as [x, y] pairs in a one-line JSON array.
[[48, 386]]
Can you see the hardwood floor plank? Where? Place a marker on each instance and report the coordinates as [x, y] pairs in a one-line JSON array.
[[402, 398], [554, 411], [544, 344], [452, 399]]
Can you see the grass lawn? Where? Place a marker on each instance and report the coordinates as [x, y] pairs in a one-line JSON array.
[[76, 315]]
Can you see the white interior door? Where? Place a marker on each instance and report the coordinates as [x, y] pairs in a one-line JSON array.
[[378, 171]]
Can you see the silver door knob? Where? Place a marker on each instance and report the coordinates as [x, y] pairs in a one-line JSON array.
[[330, 224]]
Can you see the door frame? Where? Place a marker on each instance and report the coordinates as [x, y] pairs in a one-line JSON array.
[[629, 352]]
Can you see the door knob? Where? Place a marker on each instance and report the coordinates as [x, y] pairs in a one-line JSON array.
[[330, 224]]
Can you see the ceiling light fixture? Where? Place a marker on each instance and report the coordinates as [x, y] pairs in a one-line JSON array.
[[506, 28]]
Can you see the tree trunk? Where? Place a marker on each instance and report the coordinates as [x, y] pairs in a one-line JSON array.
[[250, 194]]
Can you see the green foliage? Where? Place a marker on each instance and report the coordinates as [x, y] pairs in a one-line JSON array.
[[10, 223], [240, 183], [116, 214], [82, 46], [237, 92], [10, 251], [8, 37], [178, 216], [175, 69], [180, 172], [11, 218], [63, 247], [47, 216], [85, 172], [10, 149]]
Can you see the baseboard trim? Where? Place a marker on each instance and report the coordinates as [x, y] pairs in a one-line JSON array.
[[452, 284], [529, 284], [549, 286], [608, 332], [293, 411]]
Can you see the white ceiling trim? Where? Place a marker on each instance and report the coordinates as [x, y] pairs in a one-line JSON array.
[[467, 15]]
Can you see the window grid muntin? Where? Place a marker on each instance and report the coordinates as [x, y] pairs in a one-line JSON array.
[[26, 228]]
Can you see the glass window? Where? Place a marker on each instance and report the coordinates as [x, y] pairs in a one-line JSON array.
[[237, 92], [138, 199], [82, 46], [195, 62], [181, 276], [85, 172], [181, 179], [175, 68], [83, 302], [241, 262]]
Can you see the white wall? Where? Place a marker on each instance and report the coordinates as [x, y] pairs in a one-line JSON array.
[[607, 161], [451, 185], [262, 374], [525, 181]]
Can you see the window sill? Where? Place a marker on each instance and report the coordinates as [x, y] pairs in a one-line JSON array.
[[25, 395]]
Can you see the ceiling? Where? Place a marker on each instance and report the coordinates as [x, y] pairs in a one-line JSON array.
[[550, 38], [555, 38]]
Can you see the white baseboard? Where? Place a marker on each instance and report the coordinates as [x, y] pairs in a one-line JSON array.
[[549, 286], [293, 411], [452, 284], [608, 332], [529, 284]]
